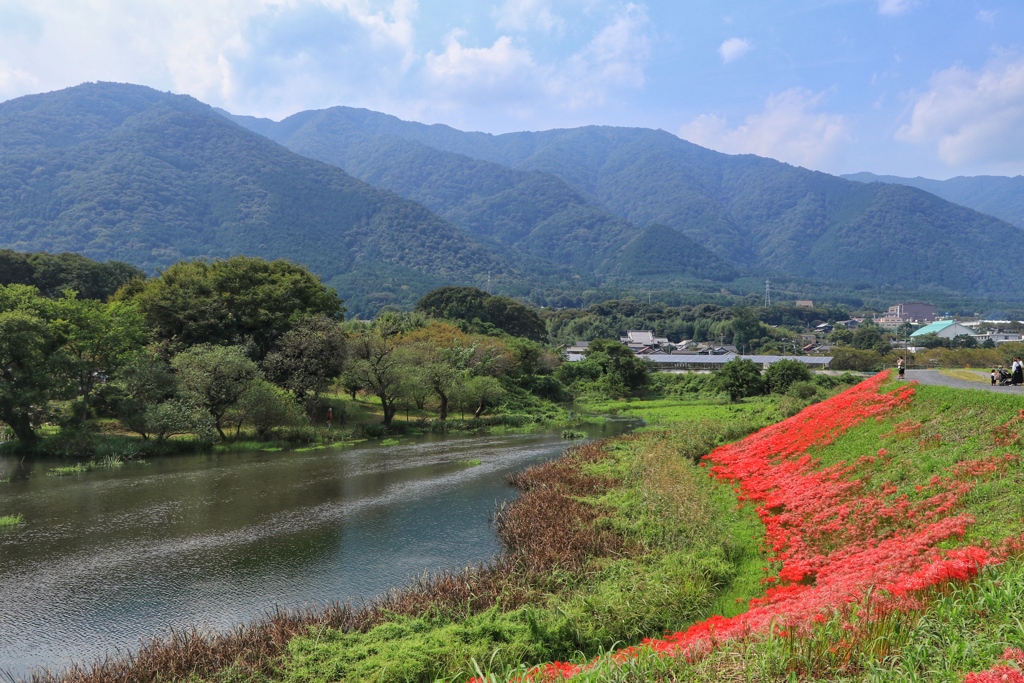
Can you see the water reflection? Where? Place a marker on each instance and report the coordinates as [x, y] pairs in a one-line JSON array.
[[112, 556]]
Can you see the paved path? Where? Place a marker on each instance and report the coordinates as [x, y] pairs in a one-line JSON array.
[[939, 379]]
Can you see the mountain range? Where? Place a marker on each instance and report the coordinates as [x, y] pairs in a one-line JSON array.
[[999, 196], [758, 215], [385, 210]]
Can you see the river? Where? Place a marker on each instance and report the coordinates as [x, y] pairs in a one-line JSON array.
[[110, 557]]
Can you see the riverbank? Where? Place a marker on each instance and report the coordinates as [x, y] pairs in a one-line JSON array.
[[894, 517], [104, 443], [617, 517]]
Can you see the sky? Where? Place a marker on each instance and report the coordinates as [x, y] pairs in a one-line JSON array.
[[905, 87]]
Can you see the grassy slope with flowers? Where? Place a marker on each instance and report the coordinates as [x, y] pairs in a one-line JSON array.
[[893, 517]]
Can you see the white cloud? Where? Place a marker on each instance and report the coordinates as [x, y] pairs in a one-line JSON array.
[[986, 16], [972, 117], [787, 129], [895, 8], [481, 70], [615, 58], [529, 15], [212, 50], [734, 48], [508, 71]]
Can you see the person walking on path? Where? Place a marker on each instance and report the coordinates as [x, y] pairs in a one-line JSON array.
[[330, 416], [1017, 372], [900, 369]]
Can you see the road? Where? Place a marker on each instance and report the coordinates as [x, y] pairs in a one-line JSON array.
[[937, 378]]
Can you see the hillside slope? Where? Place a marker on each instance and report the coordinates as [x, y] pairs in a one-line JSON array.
[[752, 212], [531, 216], [125, 172], [999, 196]]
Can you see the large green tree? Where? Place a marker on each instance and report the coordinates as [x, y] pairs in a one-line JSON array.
[[307, 358], [239, 300], [97, 338], [33, 366], [380, 365], [739, 377], [215, 378], [478, 310]]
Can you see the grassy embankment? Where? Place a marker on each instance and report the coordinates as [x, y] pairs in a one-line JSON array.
[[610, 544], [897, 549]]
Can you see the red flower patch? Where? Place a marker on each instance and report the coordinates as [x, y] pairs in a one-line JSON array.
[[834, 541]]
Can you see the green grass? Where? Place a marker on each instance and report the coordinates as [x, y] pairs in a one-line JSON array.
[[983, 376], [390, 442], [761, 409], [11, 520], [106, 462], [963, 628], [695, 554], [472, 463]]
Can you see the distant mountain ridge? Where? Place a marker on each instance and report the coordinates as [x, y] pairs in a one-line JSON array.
[[385, 210], [754, 213], [529, 215], [999, 196]]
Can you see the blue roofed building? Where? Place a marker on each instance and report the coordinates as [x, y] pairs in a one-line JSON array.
[[946, 329]]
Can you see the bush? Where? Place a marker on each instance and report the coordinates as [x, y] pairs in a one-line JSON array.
[[739, 378], [780, 375], [802, 390]]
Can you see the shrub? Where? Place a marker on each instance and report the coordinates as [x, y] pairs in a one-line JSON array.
[[780, 375], [802, 390]]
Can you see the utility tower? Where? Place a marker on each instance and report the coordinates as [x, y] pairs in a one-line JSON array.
[[767, 293]]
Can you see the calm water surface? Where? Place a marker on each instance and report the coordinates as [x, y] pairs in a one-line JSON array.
[[112, 556]]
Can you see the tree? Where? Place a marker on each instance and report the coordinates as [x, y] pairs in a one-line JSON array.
[[479, 393], [265, 406], [215, 378], [841, 335], [739, 378], [379, 367], [780, 375], [622, 372], [350, 383], [53, 274], [963, 341], [170, 418], [32, 362], [26, 377], [746, 327], [867, 337], [147, 382], [307, 358], [97, 339], [234, 301], [476, 309]]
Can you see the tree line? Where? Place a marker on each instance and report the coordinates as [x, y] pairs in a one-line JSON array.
[[207, 348]]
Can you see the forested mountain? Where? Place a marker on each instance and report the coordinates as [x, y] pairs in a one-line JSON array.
[[999, 196], [124, 172], [532, 217], [753, 212]]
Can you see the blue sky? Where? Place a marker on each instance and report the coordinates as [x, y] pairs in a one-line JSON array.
[[908, 87]]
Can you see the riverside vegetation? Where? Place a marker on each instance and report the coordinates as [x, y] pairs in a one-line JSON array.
[[586, 532], [247, 351], [879, 537]]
